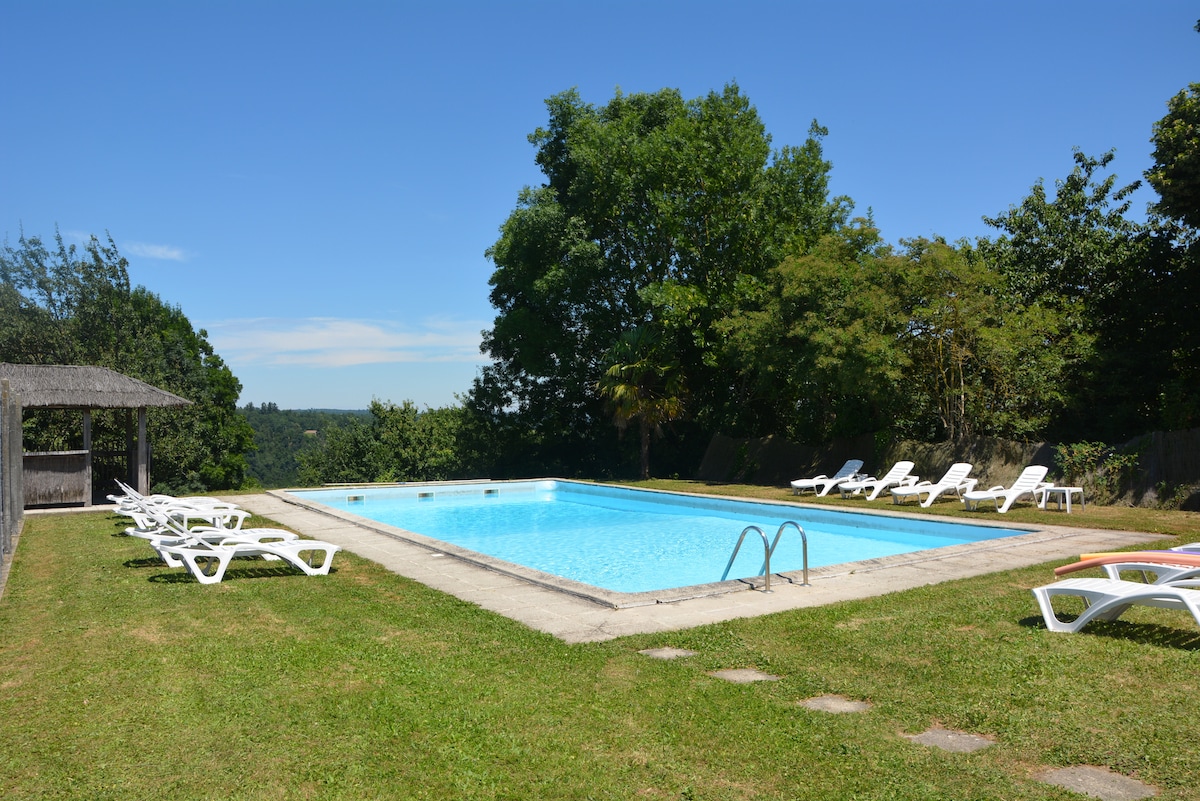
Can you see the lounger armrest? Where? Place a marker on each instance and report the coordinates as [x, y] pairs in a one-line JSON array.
[[911, 481], [969, 484]]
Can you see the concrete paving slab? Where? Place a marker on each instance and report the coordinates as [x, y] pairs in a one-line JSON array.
[[667, 653], [837, 704], [548, 608], [1098, 782], [958, 742], [743, 675]]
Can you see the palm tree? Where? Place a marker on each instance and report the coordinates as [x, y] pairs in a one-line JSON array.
[[642, 382]]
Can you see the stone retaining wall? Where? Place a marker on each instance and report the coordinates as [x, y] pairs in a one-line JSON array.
[[1168, 471]]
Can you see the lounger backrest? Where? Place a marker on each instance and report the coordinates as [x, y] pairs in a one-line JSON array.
[[1030, 477], [168, 522], [898, 471], [849, 468], [956, 473]]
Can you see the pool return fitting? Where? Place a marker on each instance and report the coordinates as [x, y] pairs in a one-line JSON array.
[[769, 549]]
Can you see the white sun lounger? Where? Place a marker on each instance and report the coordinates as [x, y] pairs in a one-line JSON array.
[[955, 479], [1029, 482], [133, 498], [898, 476], [149, 518], [822, 484], [165, 528], [1107, 599], [207, 561]]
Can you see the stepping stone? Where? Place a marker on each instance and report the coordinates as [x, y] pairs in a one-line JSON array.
[[957, 741], [667, 653], [837, 704], [743, 675], [1099, 783]]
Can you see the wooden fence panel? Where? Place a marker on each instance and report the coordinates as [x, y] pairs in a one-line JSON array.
[[12, 491]]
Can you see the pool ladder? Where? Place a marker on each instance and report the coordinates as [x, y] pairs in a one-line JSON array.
[[769, 549]]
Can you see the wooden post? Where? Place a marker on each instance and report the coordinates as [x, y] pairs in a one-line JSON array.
[[87, 459], [130, 450], [143, 454]]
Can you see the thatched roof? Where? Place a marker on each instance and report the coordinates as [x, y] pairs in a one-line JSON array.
[[64, 386]]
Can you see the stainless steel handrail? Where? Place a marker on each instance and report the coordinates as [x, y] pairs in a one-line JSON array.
[[768, 550], [803, 540]]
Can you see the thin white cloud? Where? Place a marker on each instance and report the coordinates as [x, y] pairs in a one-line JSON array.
[[335, 342], [148, 251]]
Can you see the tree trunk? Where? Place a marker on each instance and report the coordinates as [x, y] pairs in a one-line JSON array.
[[645, 426]]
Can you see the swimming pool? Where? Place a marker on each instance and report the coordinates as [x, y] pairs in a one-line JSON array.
[[623, 540]]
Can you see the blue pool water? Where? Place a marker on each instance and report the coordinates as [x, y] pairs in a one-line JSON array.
[[628, 540]]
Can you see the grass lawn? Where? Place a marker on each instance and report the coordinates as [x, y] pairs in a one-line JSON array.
[[121, 678]]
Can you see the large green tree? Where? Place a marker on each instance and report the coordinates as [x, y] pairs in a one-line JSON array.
[[817, 345], [1125, 296], [853, 337], [66, 305], [981, 361], [1175, 174], [656, 211]]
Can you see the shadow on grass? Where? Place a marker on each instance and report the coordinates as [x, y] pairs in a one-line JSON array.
[[234, 574], [1147, 633], [149, 561]]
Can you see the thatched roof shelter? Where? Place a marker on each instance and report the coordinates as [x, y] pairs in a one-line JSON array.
[[66, 476], [69, 386]]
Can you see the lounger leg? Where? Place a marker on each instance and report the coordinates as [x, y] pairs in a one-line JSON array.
[[213, 568], [307, 561], [1097, 606]]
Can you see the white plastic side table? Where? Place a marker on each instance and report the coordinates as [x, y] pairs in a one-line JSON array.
[[1062, 494]]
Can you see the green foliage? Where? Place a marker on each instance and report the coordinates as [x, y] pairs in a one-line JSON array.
[[1122, 295], [1068, 251], [396, 443], [853, 338], [1175, 174], [818, 344], [65, 306], [280, 435], [982, 361], [642, 382], [1101, 469]]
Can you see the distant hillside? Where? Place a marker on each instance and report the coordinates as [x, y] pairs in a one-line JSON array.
[[280, 434]]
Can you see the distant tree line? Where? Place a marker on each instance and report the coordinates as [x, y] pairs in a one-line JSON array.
[[394, 442], [280, 435]]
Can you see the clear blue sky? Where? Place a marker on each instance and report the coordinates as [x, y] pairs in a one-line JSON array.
[[315, 183]]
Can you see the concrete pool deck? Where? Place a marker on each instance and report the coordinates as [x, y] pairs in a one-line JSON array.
[[576, 620]]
